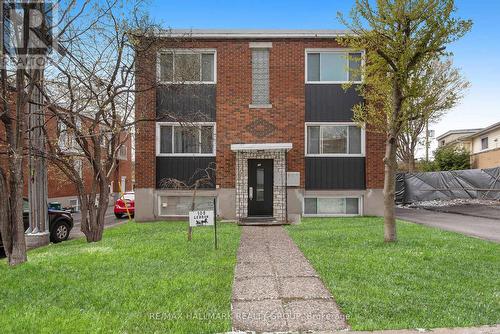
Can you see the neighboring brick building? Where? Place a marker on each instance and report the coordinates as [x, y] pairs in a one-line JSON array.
[[270, 113], [60, 188]]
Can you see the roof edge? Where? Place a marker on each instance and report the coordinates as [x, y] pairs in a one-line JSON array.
[[250, 33], [458, 131]]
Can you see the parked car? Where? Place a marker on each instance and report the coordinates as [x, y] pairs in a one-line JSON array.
[[128, 198], [60, 223]]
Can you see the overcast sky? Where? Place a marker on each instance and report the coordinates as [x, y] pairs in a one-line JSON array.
[[477, 54]]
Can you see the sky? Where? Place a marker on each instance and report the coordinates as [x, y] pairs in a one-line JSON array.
[[477, 54]]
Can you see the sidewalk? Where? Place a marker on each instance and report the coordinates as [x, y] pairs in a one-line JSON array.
[[276, 289]]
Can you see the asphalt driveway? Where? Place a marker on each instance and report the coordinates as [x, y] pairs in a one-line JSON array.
[[478, 227]]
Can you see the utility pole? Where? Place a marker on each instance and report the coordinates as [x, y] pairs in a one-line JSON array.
[[427, 141]]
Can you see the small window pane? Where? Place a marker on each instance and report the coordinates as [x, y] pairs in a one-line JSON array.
[[260, 185], [166, 139], [334, 139], [331, 206], [333, 67], [186, 139], [166, 67], [354, 140], [313, 67], [187, 67], [313, 139], [207, 67], [355, 66], [352, 207], [207, 145], [310, 206]]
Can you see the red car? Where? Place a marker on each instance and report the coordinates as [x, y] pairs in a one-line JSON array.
[[120, 208]]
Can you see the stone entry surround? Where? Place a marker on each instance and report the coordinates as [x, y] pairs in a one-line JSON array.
[[276, 289], [276, 152]]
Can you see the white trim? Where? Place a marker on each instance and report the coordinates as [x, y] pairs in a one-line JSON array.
[[260, 45], [178, 124], [335, 50], [261, 147], [322, 124], [360, 206], [260, 106], [185, 51]]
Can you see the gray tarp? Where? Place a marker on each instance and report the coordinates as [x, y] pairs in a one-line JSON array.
[[471, 183]]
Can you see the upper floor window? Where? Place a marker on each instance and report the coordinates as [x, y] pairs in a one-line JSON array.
[[122, 152], [335, 139], [484, 143], [260, 77], [187, 66], [335, 66], [186, 139]]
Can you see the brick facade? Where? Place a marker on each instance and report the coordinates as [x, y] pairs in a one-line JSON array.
[[236, 122]]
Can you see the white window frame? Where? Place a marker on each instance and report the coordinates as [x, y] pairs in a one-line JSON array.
[[322, 124], [335, 50], [360, 206], [174, 124], [487, 143], [186, 51], [181, 216]]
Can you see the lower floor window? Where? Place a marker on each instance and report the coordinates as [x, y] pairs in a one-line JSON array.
[[332, 206], [181, 205]]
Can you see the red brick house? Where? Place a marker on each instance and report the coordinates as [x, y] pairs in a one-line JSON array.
[[268, 109]]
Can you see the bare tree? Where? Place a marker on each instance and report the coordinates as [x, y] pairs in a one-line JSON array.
[[202, 177], [91, 94], [442, 89]]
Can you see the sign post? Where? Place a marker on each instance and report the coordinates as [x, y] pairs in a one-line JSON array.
[[202, 218], [215, 223]]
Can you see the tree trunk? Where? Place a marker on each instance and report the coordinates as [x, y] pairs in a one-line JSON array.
[[411, 162], [389, 190], [16, 136], [390, 163], [94, 226]]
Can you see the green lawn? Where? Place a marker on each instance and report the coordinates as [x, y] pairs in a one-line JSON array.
[[429, 279], [117, 284]]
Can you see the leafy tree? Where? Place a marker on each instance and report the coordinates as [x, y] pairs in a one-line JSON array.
[[443, 87], [400, 38], [450, 158]]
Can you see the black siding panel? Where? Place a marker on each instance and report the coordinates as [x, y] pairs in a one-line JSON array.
[[330, 103], [186, 102], [186, 169], [335, 173]]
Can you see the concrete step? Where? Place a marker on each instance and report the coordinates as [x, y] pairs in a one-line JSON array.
[[261, 221]]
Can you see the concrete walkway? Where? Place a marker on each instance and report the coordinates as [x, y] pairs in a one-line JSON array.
[[276, 289], [483, 228]]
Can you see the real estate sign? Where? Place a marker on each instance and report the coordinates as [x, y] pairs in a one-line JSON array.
[[201, 218]]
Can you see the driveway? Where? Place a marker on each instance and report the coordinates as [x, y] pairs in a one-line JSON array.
[[478, 227]]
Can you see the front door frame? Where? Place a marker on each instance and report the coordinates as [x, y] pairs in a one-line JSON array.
[[260, 193]]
